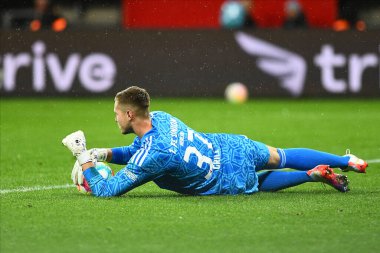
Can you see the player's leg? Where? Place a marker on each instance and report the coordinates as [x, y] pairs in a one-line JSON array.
[[306, 159], [270, 181]]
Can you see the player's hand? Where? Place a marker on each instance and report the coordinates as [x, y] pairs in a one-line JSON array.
[[98, 154], [75, 142], [77, 174]]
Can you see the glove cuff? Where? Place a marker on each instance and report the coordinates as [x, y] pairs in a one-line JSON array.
[[102, 154], [84, 157]]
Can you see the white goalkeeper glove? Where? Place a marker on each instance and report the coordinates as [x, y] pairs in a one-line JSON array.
[[98, 154], [76, 143], [94, 155], [77, 174]]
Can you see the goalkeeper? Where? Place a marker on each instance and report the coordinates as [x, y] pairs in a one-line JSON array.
[[178, 158]]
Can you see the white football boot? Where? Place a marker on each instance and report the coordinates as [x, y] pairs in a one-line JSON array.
[[75, 142], [355, 164]]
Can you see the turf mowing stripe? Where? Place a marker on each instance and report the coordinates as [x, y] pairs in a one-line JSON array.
[[36, 188]]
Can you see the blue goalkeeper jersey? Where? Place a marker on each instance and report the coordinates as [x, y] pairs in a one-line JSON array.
[[178, 158]]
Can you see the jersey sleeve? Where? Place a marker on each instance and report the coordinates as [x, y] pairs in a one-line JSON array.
[[144, 166], [121, 155]]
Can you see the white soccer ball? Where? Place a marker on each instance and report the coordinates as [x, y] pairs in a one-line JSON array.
[[104, 170], [236, 93]]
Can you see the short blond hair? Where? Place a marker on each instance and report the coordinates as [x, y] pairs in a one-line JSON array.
[[136, 97]]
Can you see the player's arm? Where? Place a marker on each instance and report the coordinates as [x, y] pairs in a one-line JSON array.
[[117, 155], [139, 170], [121, 155], [125, 180]]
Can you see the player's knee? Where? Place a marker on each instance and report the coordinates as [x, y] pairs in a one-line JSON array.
[[274, 158]]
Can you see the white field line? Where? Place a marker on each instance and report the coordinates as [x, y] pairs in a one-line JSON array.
[[51, 187], [36, 188], [373, 161]]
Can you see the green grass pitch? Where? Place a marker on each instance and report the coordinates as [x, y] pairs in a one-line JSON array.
[[307, 218]]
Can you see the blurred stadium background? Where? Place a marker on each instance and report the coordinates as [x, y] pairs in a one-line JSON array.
[[277, 48]]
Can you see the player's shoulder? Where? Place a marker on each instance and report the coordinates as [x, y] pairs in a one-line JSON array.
[[152, 141], [159, 114], [147, 144], [152, 153], [160, 123]]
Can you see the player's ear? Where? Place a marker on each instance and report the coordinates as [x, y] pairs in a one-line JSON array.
[[130, 114]]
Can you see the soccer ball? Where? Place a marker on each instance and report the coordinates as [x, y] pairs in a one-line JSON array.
[[104, 170], [236, 93]]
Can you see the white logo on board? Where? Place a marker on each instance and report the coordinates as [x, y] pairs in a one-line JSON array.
[[291, 68], [96, 71]]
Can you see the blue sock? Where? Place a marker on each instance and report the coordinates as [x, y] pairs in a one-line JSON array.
[[270, 181], [306, 159]]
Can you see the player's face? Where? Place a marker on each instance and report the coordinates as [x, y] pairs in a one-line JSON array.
[[123, 119]]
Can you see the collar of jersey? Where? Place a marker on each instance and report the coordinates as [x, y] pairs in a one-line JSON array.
[[150, 132]]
